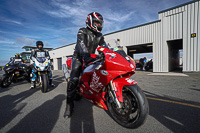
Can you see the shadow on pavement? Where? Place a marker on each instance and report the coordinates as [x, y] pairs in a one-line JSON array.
[[13, 85], [11, 105], [82, 120], [176, 117], [41, 119]]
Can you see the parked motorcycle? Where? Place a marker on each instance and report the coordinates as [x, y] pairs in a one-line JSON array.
[[149, 65], [42, 68], [15, 73], [138, 64], [67, 68], [106, 83]]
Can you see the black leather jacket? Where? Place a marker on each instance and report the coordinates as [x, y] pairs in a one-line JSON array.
[[87, 43]]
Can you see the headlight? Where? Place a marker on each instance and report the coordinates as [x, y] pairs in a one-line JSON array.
[[37, 68]]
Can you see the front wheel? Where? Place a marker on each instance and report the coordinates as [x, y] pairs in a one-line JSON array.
[[6, 81], [147, 68], [44, 84], [135, 108]]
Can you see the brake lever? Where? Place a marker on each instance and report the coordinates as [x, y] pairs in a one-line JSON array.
[[96, 61]]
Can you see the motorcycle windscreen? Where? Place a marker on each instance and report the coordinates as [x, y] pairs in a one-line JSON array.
[[122, 53], [92, 67], [40, 54]]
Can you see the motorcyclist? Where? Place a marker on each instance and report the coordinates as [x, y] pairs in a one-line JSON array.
[[18, 59], [142, 62], [88, 40], [11, 60], [39, 52]]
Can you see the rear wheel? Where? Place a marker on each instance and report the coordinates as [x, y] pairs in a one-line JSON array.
[[134, 109], [44, 84], [6, 81], [141, 68]]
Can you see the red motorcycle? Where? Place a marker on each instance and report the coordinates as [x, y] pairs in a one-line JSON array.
[[106, 83]]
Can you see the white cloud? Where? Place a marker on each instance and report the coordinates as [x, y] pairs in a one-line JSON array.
[[76, 12], [25, 41], [11, 21], [6, 42]]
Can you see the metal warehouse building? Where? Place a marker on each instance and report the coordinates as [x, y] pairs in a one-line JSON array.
[[177, 28]]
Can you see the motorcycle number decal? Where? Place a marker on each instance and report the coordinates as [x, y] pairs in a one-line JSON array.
[[131, 65], [127, 58], [130, 80], [103, 72], [95, 83], [111, 54], [40, 54], [101, 49], [42, 65], [18, 59]]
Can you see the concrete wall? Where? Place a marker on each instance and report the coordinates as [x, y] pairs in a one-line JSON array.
[[61, 52]]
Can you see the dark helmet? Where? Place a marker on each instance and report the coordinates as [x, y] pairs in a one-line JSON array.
[[39, 43], [17, 56], [92, 18]]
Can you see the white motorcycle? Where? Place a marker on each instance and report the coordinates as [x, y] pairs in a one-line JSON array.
[[42, 67]]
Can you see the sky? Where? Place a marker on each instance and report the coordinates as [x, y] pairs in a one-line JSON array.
[[56, 22]]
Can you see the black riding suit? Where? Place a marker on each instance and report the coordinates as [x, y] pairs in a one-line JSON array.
[[87, 43]]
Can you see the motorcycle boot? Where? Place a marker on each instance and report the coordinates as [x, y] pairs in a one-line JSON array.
[[69, 109], [32, 85], [51, 83], [51, 78], [70, 98]]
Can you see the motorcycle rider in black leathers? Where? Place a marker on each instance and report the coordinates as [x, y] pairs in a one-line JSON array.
[[37, 53], [88, 40], [18, 59]]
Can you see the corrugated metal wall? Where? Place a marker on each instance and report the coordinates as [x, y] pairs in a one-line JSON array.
[[180, 23], [191, 46], [137, 35]]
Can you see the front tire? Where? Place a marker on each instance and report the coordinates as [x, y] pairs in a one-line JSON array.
[[44, 83], [135, 108], [6, 81], [147, 68]]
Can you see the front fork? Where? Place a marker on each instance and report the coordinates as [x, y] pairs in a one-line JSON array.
[[40, 78], [113, 95]]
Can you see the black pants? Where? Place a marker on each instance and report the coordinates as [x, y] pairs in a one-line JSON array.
[[74, 79]]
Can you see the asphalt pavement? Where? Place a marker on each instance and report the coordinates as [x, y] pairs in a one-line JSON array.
[[174, 107]]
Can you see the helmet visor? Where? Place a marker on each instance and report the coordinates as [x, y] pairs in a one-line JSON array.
[[98, 23]]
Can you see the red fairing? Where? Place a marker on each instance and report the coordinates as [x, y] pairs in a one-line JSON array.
[[69, 61], [118, 85], [116, 68], [114, 61]]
